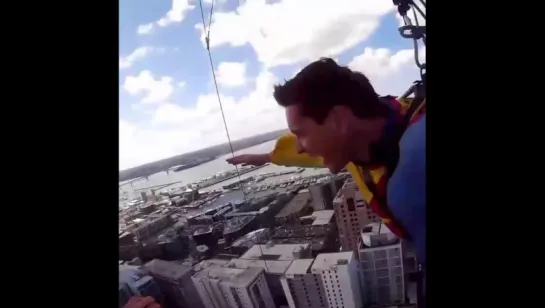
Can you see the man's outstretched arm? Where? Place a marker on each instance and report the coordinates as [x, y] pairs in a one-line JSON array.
[[285, 153]]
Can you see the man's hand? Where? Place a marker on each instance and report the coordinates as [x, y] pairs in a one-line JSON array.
[[250, 159], [142, 302]]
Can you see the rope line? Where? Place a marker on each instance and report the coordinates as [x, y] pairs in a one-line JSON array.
[[207, 40]]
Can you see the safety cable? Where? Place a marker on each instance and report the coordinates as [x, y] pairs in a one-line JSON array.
[[207, 41]]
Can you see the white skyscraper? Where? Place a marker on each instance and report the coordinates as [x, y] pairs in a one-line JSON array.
[[352, 214], [224, 287], [275, 259], [303, 289], [340, 275], [381, 262]]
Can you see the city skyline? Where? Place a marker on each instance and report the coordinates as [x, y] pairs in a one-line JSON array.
[[297, 263]]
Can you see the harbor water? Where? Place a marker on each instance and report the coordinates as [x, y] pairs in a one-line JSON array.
[[209, 169]]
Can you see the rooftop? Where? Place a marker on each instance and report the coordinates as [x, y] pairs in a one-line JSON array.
[[377, 234], [271, 266], [297, 231], [274, 259], [316, 243], [326, 261], [236, 223], [233, 276], [274, 252], [202, 230], [296, 204], [166, 269], [221, 200], [301, 266], [210, 262], [321, 217], [251, 238], [237, 214], [348, 185]]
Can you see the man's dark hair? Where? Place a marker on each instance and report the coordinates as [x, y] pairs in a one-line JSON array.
[[324, 84]]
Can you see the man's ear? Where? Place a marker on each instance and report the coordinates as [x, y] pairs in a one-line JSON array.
[[340, 116]]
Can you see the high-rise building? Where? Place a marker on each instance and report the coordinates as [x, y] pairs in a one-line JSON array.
[[224, 287], [381, 256], [339, 272], [275, 259], [352, 214], [321, 195], [175, 282], [337, 182], [303, 289]]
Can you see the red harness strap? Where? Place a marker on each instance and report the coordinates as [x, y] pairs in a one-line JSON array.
[[379, 204]]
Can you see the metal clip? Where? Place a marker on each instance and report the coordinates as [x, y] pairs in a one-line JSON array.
[[412, 32]]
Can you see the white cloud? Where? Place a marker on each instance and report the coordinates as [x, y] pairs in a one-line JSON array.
[[290, 31], [174, 129], [231, 74], [172, 114], [175, 15], [390, 73], [137, 55], [145, 28], [154, 90], [138, 145]]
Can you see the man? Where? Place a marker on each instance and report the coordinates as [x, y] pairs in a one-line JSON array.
[[337, 120]]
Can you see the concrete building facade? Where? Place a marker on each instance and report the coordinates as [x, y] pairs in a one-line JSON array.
[[339, 272], [224, 287], [299, 206], [321, 196], [275, 259], [175, 282], [352, 214], [303, 289], [381, 256]]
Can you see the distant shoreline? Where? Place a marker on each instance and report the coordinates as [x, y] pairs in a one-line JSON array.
[[207, 154]]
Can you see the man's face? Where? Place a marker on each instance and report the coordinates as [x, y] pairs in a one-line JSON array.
[[327, 140]]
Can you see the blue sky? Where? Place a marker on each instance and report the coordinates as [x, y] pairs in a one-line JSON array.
[[167, 100]]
